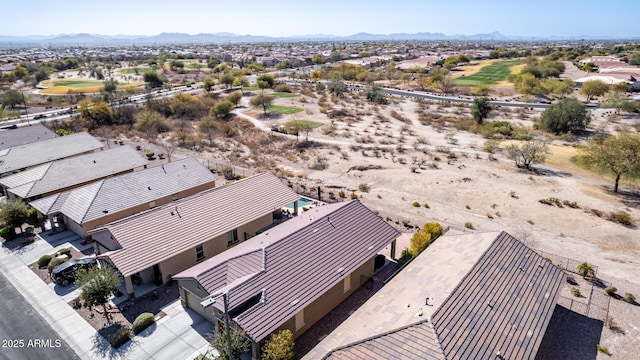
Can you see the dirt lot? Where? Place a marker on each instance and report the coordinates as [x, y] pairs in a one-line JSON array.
[[415, 153]]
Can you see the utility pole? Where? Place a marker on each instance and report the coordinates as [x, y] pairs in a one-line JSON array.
[[26, 111], [225, 298]]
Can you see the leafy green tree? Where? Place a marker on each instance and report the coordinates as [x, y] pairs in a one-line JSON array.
[[318, 59], [223, 108], [208, 84], [97, 285], [616, 154], [151, 122], [262, 100], [241, 81], [153, 80], [293, 127], [11, 98], [568, 114], [482, 90], [227, 79], [270, 80], [208, 127], [235, 97], [41, 75], [374, 94], [337, 86], [13, 213], [423, 238], [175, 65], [480, 109], [530, 153], [560, 87], [593, 88], [239, 342], [622, 87], [95, 114], [279, 346]]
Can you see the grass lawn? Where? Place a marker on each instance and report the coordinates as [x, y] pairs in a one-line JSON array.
[[284, 94], [72, 86], [141, 70], [250, 88], [498, 71], [77, 83], [309, 123], [286, 110]]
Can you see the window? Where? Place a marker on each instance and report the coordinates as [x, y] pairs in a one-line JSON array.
[[232, 237], [175, 197], [347, 283], [199, 252], [152, 205], [299, 319]]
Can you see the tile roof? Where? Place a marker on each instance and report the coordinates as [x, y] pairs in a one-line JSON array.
[[24, 135], [488, 294], [122, 192], [161, 233], [68, 172], [24, 156], [293, 264]]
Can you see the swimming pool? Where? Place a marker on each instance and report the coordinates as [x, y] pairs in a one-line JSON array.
[[302, 202]]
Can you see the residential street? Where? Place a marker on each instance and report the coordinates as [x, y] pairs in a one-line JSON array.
[[23, 332]]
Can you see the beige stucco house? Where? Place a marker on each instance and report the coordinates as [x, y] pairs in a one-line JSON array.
[[156, 244], [91, 206], [292, 275]]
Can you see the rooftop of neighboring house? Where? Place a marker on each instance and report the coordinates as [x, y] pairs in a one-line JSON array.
[[65, 173], [41, 152], [122, 192], [288, 267], [24, 135], [466, 296], [161, 233]]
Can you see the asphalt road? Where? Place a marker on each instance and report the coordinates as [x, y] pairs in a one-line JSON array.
[[24, 335]]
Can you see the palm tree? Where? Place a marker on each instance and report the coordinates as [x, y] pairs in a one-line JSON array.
[[585, 269]]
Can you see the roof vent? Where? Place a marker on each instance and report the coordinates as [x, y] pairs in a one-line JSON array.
[[521, 268], [490, 305], [149, 187], [105, 211], [294, 302], [94, 161], [340, 270]]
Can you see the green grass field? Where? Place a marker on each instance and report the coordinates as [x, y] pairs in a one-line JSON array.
[[498, 71], [309, 123], [78, 83], [285, 110], [250, 88], [141, 70], [284, 94]]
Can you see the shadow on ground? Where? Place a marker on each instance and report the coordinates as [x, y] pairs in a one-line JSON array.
[[570, 336]]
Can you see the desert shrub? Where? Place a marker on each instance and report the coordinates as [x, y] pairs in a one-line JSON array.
[[8, 233], [32, 215], [426, 205], [468, 225], [120, 338], [65, 251], [142, 322], [364, 187], [44, 260], [491, 146], [354, 196], [149, 154], [282, 88], [628, 297], [621, 218], [279, 346], [467, 207], [610, 290], [416, 204], [228, 173], [342, 194], [602, 349], [575, 291], [55, 262]]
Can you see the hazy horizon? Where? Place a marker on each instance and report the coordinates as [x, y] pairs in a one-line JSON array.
[[542, 18]]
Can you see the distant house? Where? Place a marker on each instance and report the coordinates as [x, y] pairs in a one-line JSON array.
[[473, 296], [22, 157], [62, 175], [292, 275], [88, 207], [159, 243], [24, 135]]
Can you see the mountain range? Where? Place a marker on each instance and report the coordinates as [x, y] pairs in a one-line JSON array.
[[181, 38]]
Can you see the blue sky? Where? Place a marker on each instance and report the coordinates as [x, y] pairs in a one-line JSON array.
[[282, 18]]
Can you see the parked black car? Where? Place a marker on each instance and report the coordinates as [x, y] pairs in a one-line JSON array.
[[64, 274]]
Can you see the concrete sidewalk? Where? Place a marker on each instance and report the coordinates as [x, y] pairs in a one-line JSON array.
[[181, 334]]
